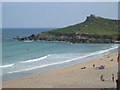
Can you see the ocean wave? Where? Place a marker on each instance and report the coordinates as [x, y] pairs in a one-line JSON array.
[[37, 59], [66, 61], [112, 48], [5, 66]]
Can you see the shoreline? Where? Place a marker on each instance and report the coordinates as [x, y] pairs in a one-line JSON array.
[[54, 66], [72, 76]]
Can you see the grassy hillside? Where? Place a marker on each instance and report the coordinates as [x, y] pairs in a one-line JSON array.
[[92, 25]]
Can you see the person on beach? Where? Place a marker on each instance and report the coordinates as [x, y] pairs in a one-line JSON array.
[[118, 58], [83, 67], [93, 65], [101, 78], [111, 59], [113, 77]]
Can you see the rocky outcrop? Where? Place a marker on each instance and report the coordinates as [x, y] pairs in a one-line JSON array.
[[71, 39]]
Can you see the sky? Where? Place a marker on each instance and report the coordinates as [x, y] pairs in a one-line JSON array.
[[60, 0], [53, 14]]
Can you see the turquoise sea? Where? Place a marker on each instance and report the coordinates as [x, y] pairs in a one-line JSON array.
[[21, 58]]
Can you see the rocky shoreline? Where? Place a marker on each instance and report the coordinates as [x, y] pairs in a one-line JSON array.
[[75, 39]]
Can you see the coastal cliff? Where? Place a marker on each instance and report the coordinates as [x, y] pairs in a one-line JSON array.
[[93, 30]]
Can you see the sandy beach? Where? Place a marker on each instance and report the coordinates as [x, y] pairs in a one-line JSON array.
[[73, 77]]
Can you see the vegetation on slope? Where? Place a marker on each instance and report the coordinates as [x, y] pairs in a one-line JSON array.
[[92, 26]]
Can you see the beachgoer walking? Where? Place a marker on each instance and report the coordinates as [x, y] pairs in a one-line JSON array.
[[113, 77], [101, 78]]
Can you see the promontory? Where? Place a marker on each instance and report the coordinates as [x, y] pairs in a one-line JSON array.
[[94, 29]]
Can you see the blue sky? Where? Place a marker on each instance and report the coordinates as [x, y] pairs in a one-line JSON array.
[[53, 15]]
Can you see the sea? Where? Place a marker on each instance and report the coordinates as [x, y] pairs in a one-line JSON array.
[[26, 58]]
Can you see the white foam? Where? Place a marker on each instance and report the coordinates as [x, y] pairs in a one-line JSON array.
[[66, 61], [37, 59], [5, 66], [28, 41], [103, 51]]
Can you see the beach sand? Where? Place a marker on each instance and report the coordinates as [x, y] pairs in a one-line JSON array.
[[72, 77]]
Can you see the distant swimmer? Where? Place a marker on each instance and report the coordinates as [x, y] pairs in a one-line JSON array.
[[27, 49]]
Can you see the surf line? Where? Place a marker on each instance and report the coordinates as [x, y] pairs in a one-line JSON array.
[[66, 61]]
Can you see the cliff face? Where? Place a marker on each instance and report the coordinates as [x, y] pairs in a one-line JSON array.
[[92, 30]]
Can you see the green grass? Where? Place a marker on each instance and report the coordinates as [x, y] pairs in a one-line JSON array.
[[95, 26]]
